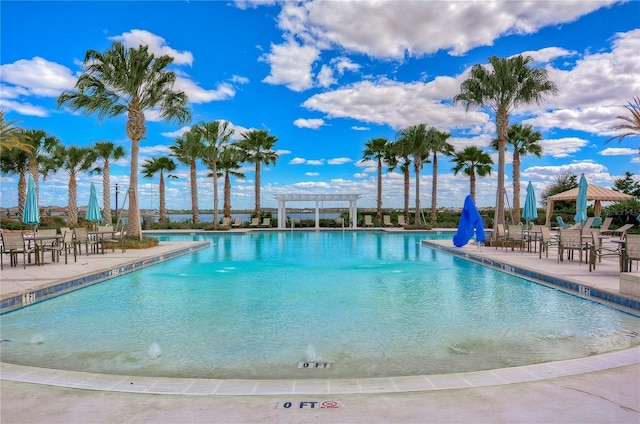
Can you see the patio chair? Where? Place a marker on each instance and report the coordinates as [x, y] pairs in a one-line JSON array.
[[599, 249], [546, 240], [401, 221], [631, 251], [386, 219], [500, 234], [516, 235], [82, 237], [368, 221], [63, 245], [571, 241], [237, 223], [116, 239], [254, 222], [266, 222], [12, 245]]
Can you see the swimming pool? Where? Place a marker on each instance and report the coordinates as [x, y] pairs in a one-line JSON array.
[[257, 305]]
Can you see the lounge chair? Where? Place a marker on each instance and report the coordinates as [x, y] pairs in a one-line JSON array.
[[237, 222], [12, 244], [606, 224], [266, 222], [297, 222], [254, 222], [368, 221], [597, 222], [386, 219], [619, 231], [226, 221], [561, 223], [589, 222], [339, 222], [401, 221]]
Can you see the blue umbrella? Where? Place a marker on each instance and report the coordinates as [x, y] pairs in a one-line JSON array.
[[581, 201], [530, 211], [93, 210], [31, 215]]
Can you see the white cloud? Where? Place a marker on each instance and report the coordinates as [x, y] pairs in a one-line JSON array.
[[291, 65], [311, 174], [297, 161], [359, 128], [176, 134], [239, 80], [315, 162], [157, 45], [618, 151], [562, 147], [308, 123], [325, 77], [547, 54], [339, 161]]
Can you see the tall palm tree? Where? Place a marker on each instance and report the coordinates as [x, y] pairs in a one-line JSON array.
[[215, 135], [258, 145], [229, 163], [524, 141], [42, 145], [504, 86], [377, 149], [472, 161], [160, 165], [400, 152], [72, 160], [11, 135], [416, 137], [128, 81], [16, 162], [188, 149], [630, 124], [437, 143], [106, 152]]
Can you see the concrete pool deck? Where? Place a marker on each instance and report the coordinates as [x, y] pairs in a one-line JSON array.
[[604, 388]]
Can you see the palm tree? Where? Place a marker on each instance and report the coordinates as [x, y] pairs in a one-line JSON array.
[[437, 143], [160, 166], [508, 84], [630, 124], [42, 145], [524, 141], [401, 150], [258, 145], [16, 162], [106, 151], [472, 161], [376, 149], [128, 81], [11, 136], [216, 134], [72, 160], [229, 163], [416, 137], [188, 149]]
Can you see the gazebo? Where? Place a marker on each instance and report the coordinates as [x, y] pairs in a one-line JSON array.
[[596, 193], [317, 198]]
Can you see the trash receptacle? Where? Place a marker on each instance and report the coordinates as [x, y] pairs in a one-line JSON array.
[[146, 222]]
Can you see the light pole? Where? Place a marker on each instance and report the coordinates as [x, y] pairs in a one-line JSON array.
[[116, 203]]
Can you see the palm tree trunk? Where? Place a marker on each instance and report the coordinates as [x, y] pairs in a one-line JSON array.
[[472, 185], [434, 189], [133, 215], [227, 195], [516, 187], [22, 194], [106, 194], [502, 120], [214, 166], [407, 184], [73, 200], [194, 193], [257, 190], [418, 210], [163, 209], [379, 212]]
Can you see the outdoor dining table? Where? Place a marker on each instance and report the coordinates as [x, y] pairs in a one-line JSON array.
[[39, 242], [100, 235]]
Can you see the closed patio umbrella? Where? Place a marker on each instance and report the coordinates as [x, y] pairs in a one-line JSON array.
[[581, 201], [31, 215], [93, 210], [530, 211]]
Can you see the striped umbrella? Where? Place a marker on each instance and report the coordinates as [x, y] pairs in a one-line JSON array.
[[93, 210], [530, 211], [581, 201], [31, 215]]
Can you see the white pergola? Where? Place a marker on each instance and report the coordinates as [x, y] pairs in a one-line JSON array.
[[284, 198]]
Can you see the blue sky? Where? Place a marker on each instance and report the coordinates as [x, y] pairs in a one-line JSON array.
[[327, 76]]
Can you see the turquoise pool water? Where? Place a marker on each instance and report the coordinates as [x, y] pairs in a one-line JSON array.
[[256, 305]]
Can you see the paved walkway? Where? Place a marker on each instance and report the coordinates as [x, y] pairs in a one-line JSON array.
[[603, 389]]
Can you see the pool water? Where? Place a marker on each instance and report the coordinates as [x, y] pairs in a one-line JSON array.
[[256, 305]]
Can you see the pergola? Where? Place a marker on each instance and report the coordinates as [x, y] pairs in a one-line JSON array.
[[284, 198], [596, 193]]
